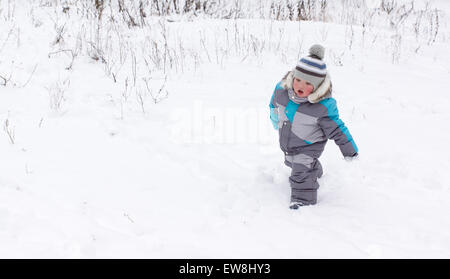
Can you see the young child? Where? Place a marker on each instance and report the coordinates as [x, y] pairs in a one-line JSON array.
[[306, 116]]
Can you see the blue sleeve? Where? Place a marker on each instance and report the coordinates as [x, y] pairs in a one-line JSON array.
[[273, 107], [335, 129]]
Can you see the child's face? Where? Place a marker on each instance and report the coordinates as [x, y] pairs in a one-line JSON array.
[[302, 88]]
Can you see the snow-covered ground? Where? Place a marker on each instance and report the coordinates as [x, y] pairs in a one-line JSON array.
[[199, 174]]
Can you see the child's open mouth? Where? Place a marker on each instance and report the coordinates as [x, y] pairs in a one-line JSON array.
[[299, 92]]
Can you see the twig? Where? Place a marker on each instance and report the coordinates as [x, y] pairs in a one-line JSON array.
[[6, 40], [31, 75], [128, 217], [6, 80], [9, 131], [65, 50]]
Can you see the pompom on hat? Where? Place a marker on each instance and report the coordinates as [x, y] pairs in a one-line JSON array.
[[311, 68]]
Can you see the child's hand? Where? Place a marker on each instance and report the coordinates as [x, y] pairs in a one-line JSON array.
[[351, 158]]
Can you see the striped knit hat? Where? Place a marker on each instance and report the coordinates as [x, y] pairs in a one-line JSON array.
[[311, 68]]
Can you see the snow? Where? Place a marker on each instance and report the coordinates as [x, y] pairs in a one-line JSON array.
[[200, 173]]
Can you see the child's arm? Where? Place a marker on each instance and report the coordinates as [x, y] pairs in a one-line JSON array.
[[335, 129], [274, 108]]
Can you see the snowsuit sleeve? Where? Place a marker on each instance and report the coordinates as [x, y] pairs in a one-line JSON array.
[[335, 129], [274, 108]]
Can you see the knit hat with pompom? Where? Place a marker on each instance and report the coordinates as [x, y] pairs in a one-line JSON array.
[[311, 68]]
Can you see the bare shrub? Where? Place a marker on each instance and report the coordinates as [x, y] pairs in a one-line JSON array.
[[57, 93], [388, 6], [160, 94]]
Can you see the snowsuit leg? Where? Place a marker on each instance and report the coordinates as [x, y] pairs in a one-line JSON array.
[[318, 167], [303, 179]]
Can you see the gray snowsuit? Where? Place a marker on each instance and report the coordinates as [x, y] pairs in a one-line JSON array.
[[305, 125]]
